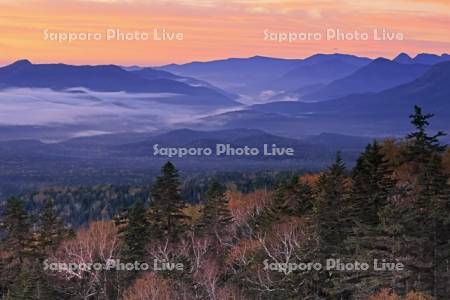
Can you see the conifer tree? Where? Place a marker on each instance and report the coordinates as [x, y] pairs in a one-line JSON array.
[[134, 230], [419, 223], [272, 213], [373, 183], [52, 230], [32, 283], [372, 188], [422, 146], [166, 215], [331, 200], [331, 226], [292, 198], [23, 287], [216, 213], [135, 233], [16, 226], [15, 245]]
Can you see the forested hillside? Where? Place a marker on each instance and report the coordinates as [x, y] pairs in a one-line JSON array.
[[246, 240]]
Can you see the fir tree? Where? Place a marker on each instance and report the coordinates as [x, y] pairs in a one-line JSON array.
[[331, 226], [16, 226], [32, 283], [331, 201], [372, 189], [373, 183], [216, 214], [135, 233], [52, 230], [292, 198], [166, 215], [24, 286], [422, 220], [134, 230], [422, 146], [15, 243]]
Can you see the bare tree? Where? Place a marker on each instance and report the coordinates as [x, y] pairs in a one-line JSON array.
[[83, 262]]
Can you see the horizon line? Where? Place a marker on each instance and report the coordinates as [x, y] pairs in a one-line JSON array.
[[3, 64]]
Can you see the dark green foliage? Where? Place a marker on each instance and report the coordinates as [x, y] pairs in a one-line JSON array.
[[32, 283], [373, 184], [216, 213], [372, 189], [15, 243], [79, 206], [292, 198], [16, 227], [24, 247], [422, 146], [134, 230], [135, 233], [426, 217], [24, 286], [166, 207], [52, 230], [332, 226], [196, 186], [331, 200], [417, 223]]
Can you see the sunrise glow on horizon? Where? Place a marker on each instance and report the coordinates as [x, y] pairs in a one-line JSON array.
[[216, 29]]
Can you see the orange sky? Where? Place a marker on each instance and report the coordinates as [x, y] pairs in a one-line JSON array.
[[215, 29]]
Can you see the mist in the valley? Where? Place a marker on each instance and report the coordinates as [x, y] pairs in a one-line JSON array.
[[84, 113]]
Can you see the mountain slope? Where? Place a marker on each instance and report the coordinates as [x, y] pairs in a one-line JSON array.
[[255, 75], [323, 68], [379, 75], [308, 149], [372, 114], [241, 75], [422, 58], [430, 59], [431, 90], [152, 74], [103, 78], [403, 58]]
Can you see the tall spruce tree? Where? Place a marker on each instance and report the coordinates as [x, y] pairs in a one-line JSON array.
[[373, 186], [166, 215], [135, 233], [422, 221], [32, 283], [216, 213], [422, 146], [292, 198], [52, 230], [331, 200], [16, 227], [373, 183], [332, 227], [16, 242], [134, 230]]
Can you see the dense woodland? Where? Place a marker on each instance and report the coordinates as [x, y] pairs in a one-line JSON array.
[[393, 205]]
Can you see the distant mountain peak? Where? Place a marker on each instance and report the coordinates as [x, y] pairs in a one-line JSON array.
[[21, 62], [259, 57], [425, 55], [430, 59], [403, 58], [381, 60], [403, 54]]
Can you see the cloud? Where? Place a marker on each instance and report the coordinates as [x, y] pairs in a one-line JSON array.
[[107, 112]]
